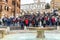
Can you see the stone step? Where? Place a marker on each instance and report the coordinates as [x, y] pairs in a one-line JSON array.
[[22, 31], [15, 28], [39, 28]]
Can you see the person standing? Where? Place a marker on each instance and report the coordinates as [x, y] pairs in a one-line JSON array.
[[4, 21], [26, 21], [0, 22], [53, 20], [58, 21], [46, 18]]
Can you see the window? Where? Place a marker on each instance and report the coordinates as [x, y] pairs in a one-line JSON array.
[[17, 4], [6, 8], [13, 2], [0, 8]]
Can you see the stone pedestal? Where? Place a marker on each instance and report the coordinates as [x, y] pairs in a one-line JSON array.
[[2, 33], [40, 34]]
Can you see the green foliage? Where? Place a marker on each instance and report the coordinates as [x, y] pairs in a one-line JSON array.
[[47, 6]]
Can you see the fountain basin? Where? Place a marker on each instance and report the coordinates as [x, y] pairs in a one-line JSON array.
[[52, 35], [21, 35]]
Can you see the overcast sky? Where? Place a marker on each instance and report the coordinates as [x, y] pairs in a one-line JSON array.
[[31, 1]]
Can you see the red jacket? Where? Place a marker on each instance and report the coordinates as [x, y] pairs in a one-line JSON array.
[[53, 19], [46, 18], [26, 21]]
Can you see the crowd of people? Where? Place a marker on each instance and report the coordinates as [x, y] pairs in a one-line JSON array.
[[38, 20]]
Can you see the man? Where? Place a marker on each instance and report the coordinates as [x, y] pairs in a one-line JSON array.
[[53, 21], [46, 18], [4, 21]]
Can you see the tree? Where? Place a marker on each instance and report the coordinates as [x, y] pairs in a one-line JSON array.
[[47, 6]]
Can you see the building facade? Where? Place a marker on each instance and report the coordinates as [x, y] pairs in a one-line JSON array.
[[33, 6], [9, 8], [55, 4]]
